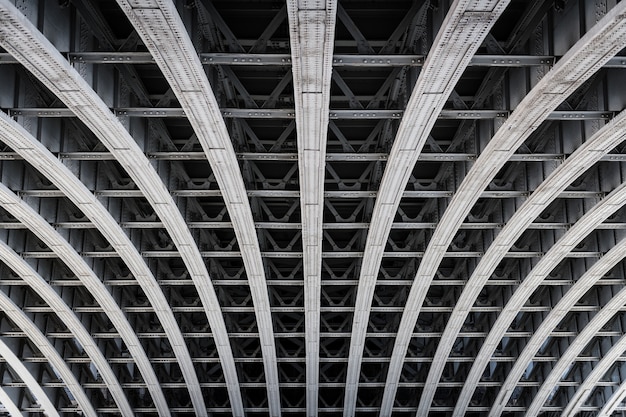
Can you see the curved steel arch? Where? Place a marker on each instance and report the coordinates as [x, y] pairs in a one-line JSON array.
[[608, 261], [65, 313], [466, 25], [614, 401], [38, 55], [17, 316], [312, 32], [165, 36], [35, 153], [9, 404], [578, 64], [33, 385], [590, 221], [585, 156], [601, 368]]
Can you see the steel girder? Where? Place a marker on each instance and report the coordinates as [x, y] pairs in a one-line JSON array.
[[192, 278]]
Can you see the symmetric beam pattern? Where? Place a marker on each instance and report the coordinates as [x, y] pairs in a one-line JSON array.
[[313, 207], [463, 30], [163, 32], [312, 31], [576, 66], [35, 52]]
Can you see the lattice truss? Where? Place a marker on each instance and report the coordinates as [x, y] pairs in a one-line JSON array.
[[312, 207]]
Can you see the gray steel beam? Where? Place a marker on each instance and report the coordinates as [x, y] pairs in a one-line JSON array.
[[334, 114], [38, 156], [31, 331], [29, 379], [69, 318]]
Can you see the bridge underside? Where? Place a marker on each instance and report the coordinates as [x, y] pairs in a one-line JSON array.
[[306, 268]]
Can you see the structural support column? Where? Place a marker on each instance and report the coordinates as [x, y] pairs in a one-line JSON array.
[[312, 32]]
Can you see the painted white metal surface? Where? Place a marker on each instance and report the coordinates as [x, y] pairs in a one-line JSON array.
[[466, 25], [584, 390], [604, 265], [63, 311], [585, 156], [578, 64], [164, 34], [33, 385], [312, 34], [17, 316]]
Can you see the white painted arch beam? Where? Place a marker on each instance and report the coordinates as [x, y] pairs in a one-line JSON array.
[[38, 339], [27, 377], [589, 222], [32, 46], [21, 39], [586, 388], [33, 152], [461, 34], [65, 314], [604, 265], [160, 27], [312, 33], [585, 156], [602, 42]]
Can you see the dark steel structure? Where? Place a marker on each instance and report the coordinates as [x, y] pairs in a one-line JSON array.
[[357, 208]]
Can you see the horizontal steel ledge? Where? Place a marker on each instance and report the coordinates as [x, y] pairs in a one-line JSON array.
[[326, 283], [343, 114], [291, 309], [297, 255], [330, 157], [375, 359], [297, 226], [327, 335], [296, 194], [339, 60]]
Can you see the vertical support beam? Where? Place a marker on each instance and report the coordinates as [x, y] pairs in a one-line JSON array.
[[312, 34]]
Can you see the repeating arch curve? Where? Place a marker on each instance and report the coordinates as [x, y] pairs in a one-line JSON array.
[[35, 52], [460, 36], [69, 318], [28, 378], [601, 368], [555, 255], [586, 155], [17, 316], [165, 36], [578, 64], [608, 261]]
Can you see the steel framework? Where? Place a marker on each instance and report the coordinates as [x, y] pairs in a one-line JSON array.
[[332, 207]]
